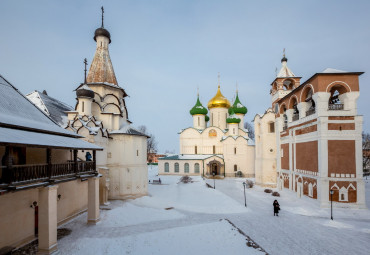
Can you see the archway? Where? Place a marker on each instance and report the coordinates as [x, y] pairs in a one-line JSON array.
[[215, 168]]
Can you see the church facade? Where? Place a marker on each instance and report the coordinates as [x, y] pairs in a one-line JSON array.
[[219, 149], [318, 136], [101, 116]]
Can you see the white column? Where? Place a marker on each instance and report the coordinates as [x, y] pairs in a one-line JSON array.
[[93, 213], [48, 220]]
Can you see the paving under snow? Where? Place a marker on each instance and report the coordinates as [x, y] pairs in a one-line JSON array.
[[197, 225]]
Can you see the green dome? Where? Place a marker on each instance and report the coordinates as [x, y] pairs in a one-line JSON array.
[[207, 118], [232, 118], [237, 107], [198, 109]]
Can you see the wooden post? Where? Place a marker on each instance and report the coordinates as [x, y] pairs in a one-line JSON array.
[[8, 162], [75, 161], [94, 160], [48, 160]]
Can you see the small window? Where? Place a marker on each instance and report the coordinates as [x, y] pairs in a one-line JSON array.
[[271, 127], [343, 194], [233, 131], [83, 106], [137, 152], [235, 150], [166, 167], [196, 149], [177, 168], [235, 168], [214, 149], [198, 121], [196, 168], [186, 168]]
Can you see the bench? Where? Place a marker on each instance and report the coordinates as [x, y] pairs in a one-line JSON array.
[[157, 182]]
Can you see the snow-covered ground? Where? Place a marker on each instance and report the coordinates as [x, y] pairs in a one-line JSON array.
[[200, 222]]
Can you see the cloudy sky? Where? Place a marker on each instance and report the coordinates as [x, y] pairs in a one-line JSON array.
[[163, 50]]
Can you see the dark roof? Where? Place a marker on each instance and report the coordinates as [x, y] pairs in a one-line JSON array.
[[55, 108], [129, 131]]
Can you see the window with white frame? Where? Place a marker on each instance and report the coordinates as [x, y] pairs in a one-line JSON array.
[[177, 168], [343, 194], [310, 190]]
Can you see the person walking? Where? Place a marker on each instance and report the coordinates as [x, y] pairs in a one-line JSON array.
[[276, 208]]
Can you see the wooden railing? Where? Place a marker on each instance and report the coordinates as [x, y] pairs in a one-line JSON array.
[[310, 112], [26, 174], [295, 116], [336, 107]]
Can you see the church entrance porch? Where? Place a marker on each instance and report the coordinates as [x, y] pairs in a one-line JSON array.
[[215, 169]]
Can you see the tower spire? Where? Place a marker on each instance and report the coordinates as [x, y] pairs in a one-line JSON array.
[[198, 91], [85, 62], [218, 77], [102, 17]]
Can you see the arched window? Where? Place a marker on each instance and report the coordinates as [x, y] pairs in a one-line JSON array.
[[288, 85], [196, 149], [166, 167], [83, 106], [235, 168], [234, 150], [271, 127], [343, 194], [233, 131], [186, 168], [310, 190], [196, 168], [214, 149], [177, 168], [334, 101], [198, 121], [311, 103]]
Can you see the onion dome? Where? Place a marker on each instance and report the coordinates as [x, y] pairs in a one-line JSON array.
[[284, 59], [85, 91], [218, 100], [102, 32], [207, 118], [233, 119], [237, 107], [198, 108]]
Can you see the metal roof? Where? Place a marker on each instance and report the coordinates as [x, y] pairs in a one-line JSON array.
[[18, 137]]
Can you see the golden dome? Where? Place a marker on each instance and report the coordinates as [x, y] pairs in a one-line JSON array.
[[218, 100]]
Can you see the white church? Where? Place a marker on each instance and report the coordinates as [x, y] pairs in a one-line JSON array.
[[219, 149]]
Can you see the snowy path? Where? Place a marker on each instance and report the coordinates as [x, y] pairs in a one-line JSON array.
[[292, 233], [196, 225]]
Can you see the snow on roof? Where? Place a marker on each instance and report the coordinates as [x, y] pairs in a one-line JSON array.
[[53, 107], [16, 110], [128, 130], [22, 137], [191, 157], [285, 71], [85, 87], [332, 70]]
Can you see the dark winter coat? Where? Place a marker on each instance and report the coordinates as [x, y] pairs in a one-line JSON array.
[[276, 207]]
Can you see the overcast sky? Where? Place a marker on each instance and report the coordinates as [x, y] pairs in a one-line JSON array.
[[163, 50]]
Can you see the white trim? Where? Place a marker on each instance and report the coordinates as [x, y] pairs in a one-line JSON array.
[[341, 82]]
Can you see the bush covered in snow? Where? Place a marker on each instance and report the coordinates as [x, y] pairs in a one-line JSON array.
[[186, 179], [268, 191], [249, 183], [275, 194]]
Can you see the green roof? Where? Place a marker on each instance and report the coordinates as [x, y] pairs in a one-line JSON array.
[[232, 118], [198, 108], [207, 118], [238, 107]]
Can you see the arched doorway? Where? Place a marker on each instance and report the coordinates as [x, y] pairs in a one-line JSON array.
[[215, 168]]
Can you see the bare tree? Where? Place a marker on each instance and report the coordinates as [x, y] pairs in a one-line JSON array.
[[250, 128], [366, 152], [151, 142]]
